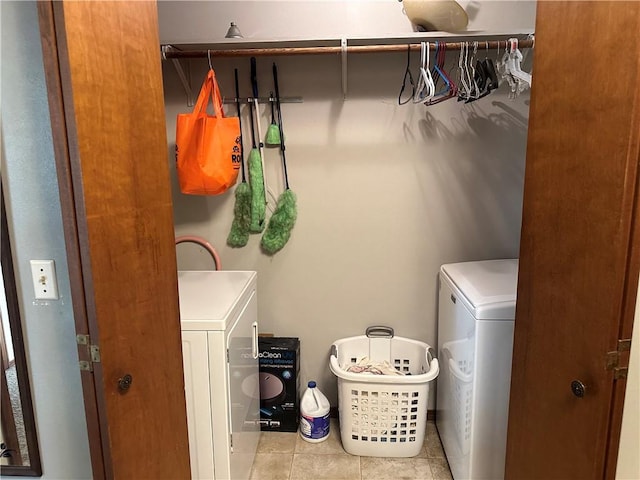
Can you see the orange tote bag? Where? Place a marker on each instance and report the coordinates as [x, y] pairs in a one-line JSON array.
[[207, 146]]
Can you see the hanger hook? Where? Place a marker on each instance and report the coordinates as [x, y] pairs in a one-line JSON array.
[[209, 58]]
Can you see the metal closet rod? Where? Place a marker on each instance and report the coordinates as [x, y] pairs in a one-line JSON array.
[[402, 47]]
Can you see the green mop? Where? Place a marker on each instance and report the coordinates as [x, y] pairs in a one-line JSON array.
[[256, 172], [272, 138], [239, 234], [284, 217]]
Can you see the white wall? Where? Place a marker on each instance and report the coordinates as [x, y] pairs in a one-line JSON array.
[[628, 460], [33, 210], [386, 194]]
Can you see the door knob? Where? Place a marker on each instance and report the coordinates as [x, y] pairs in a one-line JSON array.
[[124, 383], [578, 388]]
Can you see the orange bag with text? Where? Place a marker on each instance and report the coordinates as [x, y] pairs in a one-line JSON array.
[[207, 146]]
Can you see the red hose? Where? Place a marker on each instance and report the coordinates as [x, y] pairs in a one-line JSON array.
[[204, 244]]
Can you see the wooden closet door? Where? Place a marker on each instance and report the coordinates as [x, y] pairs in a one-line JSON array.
[[102, 64], [580, 246]]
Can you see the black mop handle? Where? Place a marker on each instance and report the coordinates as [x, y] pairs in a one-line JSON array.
[[240, 121], [282, 147]]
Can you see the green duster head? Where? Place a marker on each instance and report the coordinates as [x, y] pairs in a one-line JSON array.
[[280, 224], [258, 199], [273, 132], [273, 136], [239, 234]]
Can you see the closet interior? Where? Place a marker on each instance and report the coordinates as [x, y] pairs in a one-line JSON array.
[[388, 187]]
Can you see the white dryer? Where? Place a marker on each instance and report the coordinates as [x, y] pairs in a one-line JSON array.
[[476, 311], [219, 322]]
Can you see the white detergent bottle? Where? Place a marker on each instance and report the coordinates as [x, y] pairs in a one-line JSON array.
[[314, 415]]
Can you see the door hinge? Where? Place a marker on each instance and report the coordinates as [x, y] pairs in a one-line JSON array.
[[93, 353], [613, 359], [227, 355], [231, 442]]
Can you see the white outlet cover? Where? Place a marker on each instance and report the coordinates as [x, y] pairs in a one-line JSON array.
[[45, 284]]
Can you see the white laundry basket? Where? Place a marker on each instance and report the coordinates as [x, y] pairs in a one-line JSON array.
[[383, 415], [459, 355]]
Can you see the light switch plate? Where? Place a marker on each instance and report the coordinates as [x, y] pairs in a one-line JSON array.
[[45, 284]]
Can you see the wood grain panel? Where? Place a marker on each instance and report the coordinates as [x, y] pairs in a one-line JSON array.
[[112, 84], [580, 192], [98, 440]]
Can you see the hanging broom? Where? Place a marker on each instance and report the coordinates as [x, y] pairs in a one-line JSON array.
[[284, 217], [239, 234], [272, 139], [256, 172]]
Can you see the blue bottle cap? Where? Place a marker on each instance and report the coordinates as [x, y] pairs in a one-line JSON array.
[[311, 384]]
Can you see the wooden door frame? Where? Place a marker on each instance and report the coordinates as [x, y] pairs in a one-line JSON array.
[[52, 41], [8, 422], [7, 419], [629, 302]]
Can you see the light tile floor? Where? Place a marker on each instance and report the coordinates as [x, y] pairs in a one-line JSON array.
[[286, 456]]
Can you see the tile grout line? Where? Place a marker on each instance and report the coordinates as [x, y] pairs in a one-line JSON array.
[[291, 466]]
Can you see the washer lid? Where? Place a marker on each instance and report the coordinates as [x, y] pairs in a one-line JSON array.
[[208, 299], [488, 287]]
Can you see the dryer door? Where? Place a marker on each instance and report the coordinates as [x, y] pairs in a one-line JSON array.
[[244, 389], [195, 360]]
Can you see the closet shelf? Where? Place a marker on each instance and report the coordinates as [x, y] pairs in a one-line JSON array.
[[252, 48]]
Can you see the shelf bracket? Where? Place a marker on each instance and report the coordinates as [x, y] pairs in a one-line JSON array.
[[180, 71], [343, 47]]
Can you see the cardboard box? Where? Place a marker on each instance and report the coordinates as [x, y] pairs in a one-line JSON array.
[[279, 364]]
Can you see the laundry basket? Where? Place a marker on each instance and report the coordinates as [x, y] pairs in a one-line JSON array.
[[459, 357], [383, 415]]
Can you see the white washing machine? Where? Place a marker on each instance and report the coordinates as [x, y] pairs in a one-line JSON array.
[[219, 323], [476, 311]]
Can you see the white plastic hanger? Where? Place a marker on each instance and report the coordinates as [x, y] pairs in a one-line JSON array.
[[465, 80], [471, 69], [511, 71], [426, 88], [521, 79], [427, 72], [513, 63]]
